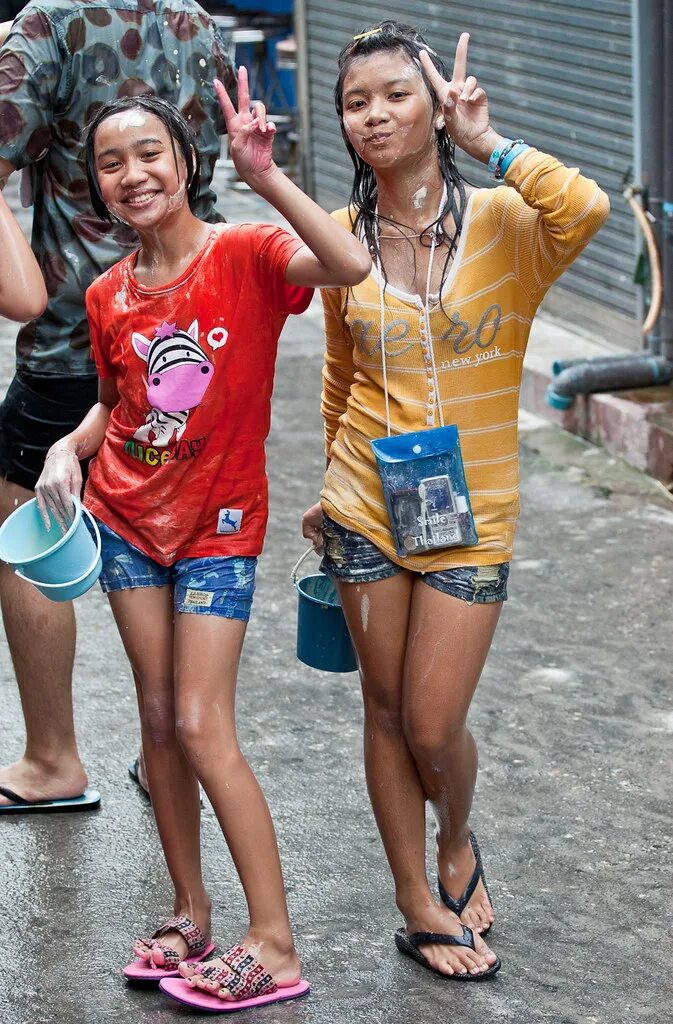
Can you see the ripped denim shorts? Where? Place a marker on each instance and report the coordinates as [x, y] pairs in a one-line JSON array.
[[201, 586], [352, 558]]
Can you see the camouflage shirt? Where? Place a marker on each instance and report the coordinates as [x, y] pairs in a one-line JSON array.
[[61, 61]]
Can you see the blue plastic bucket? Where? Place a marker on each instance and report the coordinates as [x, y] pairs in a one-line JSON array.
[[323, 640], [61, 568]]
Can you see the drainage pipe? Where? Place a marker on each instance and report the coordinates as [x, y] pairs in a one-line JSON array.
[[563, 364], [653, 102], [587, 377]]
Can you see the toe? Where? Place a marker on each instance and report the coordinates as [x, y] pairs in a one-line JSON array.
[[483, 951], [157, 957], [471, 919], [463, 963], [185, 970]]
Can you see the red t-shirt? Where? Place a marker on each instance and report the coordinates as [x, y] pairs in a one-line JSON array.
[[181, 471]]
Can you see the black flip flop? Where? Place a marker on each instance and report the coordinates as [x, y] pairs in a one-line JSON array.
[[133, 772], [458, 906], [86, 801], [408, 944]]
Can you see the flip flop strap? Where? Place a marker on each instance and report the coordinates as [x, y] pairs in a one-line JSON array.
[[220, 975], [191, 933], [250, 977], [11, 795], [171, 957], [437, 938], [458, 906]]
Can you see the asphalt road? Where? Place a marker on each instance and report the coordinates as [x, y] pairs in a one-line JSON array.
[[574, 718]]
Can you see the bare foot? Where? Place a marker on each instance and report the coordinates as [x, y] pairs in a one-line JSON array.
[[149, 949], [456, 866], [37, 781], [280, 960], [449, 959]]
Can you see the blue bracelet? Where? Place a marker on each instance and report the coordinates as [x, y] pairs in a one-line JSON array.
[[509, 157], [497, 153]]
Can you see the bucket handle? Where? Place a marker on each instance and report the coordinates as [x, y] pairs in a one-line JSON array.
[[71, 583], [293, 574]]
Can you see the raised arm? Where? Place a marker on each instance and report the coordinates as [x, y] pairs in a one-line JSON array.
[[23, 295], [564, 209], [333, 257]]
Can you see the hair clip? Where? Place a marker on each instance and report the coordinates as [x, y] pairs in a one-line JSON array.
[[363, 35]]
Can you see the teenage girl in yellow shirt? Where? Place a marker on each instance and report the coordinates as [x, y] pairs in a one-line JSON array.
[[436, 334]]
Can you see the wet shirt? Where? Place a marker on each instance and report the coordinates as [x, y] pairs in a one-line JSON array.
[[516, 240], [61, 62], [181, 471]]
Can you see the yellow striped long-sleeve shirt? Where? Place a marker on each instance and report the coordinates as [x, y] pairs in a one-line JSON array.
[[515, 242]]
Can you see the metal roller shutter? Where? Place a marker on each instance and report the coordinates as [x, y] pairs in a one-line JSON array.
[[556, 73]]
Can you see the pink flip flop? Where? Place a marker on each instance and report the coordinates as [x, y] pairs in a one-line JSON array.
[[197, 999], [244, 977], [198, 948]]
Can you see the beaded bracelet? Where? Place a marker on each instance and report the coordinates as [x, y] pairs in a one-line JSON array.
[[511, 143], [500, 158], [507, 158], [497, 153]]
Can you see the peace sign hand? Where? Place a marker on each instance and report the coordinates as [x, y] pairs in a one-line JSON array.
[[464, 104], [250, 134]]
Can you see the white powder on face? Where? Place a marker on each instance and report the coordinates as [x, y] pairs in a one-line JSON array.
[[116, 210], [410, 71], [177, 198], [131, 119]]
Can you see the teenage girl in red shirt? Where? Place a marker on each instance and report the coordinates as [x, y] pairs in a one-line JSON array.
[[184, 334]]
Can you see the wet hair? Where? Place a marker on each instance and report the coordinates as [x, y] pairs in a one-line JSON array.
[[391, 36], [178, 132]]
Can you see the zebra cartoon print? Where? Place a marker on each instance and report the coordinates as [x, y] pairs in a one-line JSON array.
[[178, 375]]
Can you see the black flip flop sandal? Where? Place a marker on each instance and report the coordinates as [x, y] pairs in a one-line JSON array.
[[408, 944], [133, 772], [458, 906], [89, 800]]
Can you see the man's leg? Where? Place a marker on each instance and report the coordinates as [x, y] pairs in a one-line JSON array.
[[41, 638]]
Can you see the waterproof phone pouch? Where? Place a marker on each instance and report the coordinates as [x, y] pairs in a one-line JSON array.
[[424, 487]]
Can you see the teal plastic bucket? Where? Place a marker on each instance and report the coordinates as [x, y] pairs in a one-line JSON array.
[[62, 565], [323, 640]]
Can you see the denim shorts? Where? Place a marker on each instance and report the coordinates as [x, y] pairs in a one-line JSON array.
[[352, 558], [202, 586]]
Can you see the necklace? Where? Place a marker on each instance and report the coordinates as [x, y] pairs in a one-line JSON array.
[[435, 231]]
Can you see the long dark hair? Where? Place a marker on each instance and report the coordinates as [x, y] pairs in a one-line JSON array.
[[393, 36], [178, 131]]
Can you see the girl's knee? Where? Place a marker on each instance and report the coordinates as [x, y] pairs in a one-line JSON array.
[[202, 738], [431, 742], [383, 713], [157, 718]]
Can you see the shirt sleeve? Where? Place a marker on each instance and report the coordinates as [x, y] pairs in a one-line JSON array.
[[560, 213], [275, 248], [339, 367], [99, 354], [30, 72]]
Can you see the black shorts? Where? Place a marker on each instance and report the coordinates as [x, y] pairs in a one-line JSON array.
[[36, 412]]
